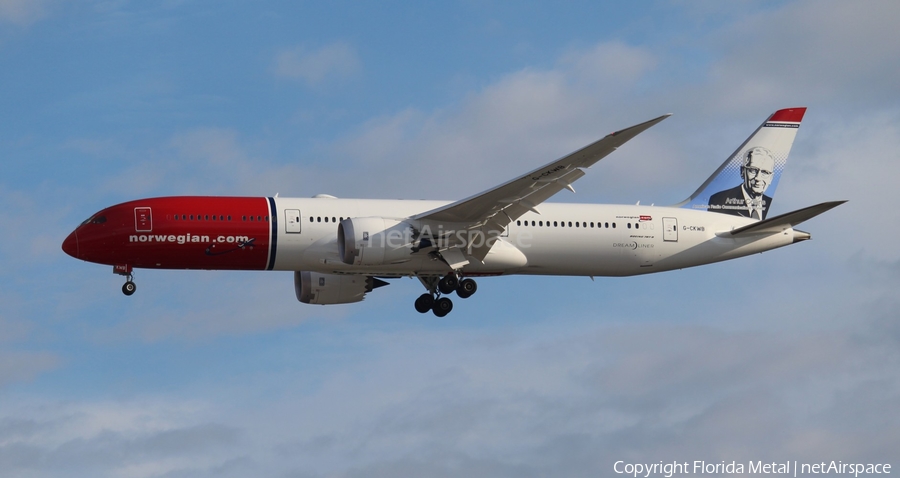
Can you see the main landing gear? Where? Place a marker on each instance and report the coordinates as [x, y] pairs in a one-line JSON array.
[[432, 299], [125, 270]]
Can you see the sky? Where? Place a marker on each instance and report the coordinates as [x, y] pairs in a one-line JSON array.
[[789, 355]]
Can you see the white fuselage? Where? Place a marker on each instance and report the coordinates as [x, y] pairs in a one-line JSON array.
[[565, 239]]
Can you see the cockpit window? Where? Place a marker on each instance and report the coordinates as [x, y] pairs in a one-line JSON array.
[[94, 220]]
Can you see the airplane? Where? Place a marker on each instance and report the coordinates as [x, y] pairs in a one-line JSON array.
[[342, 249]]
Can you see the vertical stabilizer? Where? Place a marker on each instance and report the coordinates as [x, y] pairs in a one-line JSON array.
[[745, 183]]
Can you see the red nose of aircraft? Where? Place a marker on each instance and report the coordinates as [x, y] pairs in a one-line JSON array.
[[70, 245]]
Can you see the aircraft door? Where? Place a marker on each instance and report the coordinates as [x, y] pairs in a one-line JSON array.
[[143, 220], [292, 221], [670, 229]]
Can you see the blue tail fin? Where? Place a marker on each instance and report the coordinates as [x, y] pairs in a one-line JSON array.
[[745, 183]]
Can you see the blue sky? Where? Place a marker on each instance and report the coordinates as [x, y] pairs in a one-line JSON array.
[[226, 374]]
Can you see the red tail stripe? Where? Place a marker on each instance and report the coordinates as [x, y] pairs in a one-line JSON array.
[[791, 115]]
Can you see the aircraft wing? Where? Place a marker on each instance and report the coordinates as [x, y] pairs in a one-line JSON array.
[[523, 193], [494, 209]]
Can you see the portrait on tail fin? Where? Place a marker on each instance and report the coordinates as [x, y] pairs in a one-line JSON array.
[[748, 199], [745, 183]]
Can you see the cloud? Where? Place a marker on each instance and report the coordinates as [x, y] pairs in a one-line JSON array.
[[849, 156], [22, 12], [140, 438], [18, 366], [39, 233], [522, 120], [610, 63], [336, 61], [575, 403], [204, 160], [809, 50], [189, 308], [564, 398]]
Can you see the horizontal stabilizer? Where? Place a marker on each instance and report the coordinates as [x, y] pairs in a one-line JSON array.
[[779, 223]]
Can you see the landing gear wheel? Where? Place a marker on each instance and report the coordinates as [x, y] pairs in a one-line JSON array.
[[448, 284], [466, 288], [424, 303], [128, 288], [442, 306]]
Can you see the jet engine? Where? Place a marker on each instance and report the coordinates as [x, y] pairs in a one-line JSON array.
[[370, 241], [317, 288]]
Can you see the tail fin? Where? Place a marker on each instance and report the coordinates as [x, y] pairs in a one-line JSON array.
[[745, 183]]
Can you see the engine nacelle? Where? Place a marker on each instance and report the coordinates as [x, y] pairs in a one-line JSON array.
[[318, 288], [370, 241]]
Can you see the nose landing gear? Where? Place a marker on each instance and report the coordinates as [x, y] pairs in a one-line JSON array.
[[129, 287], [125, 270], [433, 301]]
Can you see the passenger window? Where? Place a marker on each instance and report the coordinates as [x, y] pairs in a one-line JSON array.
[[576, 224], [614, 225], [554, 224], [518, 223], [311, 219], [570, 223]]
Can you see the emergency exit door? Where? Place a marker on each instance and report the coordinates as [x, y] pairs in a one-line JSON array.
[[292, 221]]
